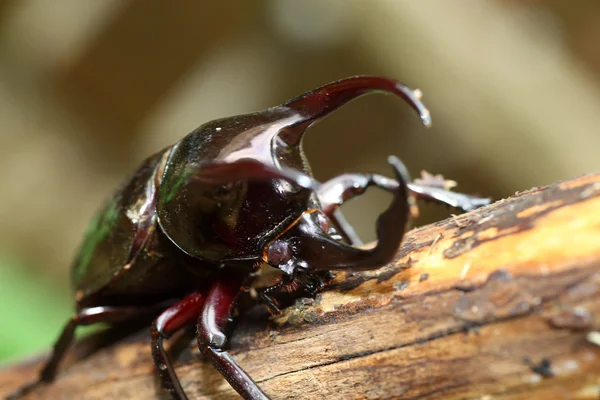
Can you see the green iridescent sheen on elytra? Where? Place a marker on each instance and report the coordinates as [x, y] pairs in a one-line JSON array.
[[102, 224]]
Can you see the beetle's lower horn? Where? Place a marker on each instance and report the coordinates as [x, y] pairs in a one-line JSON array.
[[320, 102], [391, 226]]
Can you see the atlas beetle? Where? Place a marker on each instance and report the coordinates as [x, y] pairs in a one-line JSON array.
[[197, 220]]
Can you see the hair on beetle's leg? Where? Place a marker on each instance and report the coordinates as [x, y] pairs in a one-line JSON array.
[[86, 316], [217, 309], [181, 314], [440, 195], [268, 294], [299, 284]]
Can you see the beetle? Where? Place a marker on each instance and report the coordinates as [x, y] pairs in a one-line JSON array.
[[196, 221]]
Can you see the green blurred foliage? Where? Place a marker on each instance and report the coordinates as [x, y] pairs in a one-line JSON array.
[[32, 309]]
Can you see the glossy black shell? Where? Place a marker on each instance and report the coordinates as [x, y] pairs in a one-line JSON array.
[[172, 222], [129, 251], [231, 221]]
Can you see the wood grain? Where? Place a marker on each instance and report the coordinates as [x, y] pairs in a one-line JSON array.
[[500, 303]]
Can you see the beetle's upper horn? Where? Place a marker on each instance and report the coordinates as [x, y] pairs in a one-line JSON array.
[[320, 102]]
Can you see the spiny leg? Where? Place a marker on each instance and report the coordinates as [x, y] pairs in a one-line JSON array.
[[335, 192], [342, 188], [440, 195], [267, 295], [178, 316], [211, 324], [86, 316], [300, 284]]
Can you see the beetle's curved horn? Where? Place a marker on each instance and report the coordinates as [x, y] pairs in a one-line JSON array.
[[319, 251], [219, 172], [320, 102]]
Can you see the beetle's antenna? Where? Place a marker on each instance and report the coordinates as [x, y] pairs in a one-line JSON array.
[[320, 102]]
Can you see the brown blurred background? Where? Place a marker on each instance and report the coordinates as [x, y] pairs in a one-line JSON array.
[[89, 88]]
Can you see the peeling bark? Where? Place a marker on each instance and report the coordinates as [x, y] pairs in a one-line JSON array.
[[500, 303]]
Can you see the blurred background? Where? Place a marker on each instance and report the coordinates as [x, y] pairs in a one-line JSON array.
[[89, 88]]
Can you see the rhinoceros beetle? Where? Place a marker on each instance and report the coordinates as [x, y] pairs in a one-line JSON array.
[[197, 220]]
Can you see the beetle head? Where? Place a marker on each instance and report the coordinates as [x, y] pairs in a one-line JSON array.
[[300, 245], [213, 206], [309, 242]]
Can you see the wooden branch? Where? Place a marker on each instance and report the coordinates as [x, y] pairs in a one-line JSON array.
[[501, 303]]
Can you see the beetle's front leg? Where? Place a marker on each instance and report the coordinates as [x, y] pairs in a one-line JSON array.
[[296, 285], [335, 192], [342, 188], [217, 309], [268, 294], [440, 195]]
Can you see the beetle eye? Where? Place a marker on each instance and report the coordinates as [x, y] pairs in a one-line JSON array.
[[278, 253]]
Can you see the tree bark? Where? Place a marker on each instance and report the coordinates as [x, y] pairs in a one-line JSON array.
[[500, 303]]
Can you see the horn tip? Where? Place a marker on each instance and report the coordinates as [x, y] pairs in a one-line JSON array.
[[426, 117], [400, 169], [415, 96]]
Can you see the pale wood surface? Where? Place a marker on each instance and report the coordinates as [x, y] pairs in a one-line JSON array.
[[507, 310]]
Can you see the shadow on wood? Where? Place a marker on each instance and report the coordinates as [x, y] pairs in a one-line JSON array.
[[500, 303]]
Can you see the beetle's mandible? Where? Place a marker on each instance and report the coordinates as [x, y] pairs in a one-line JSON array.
[[197, 220]]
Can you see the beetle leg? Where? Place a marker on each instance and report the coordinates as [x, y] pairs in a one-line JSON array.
[[342, 188], [440, 195], [211, 337], [300, 284], [179, 315], [266, 295], [334, 192], [85, 316]]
